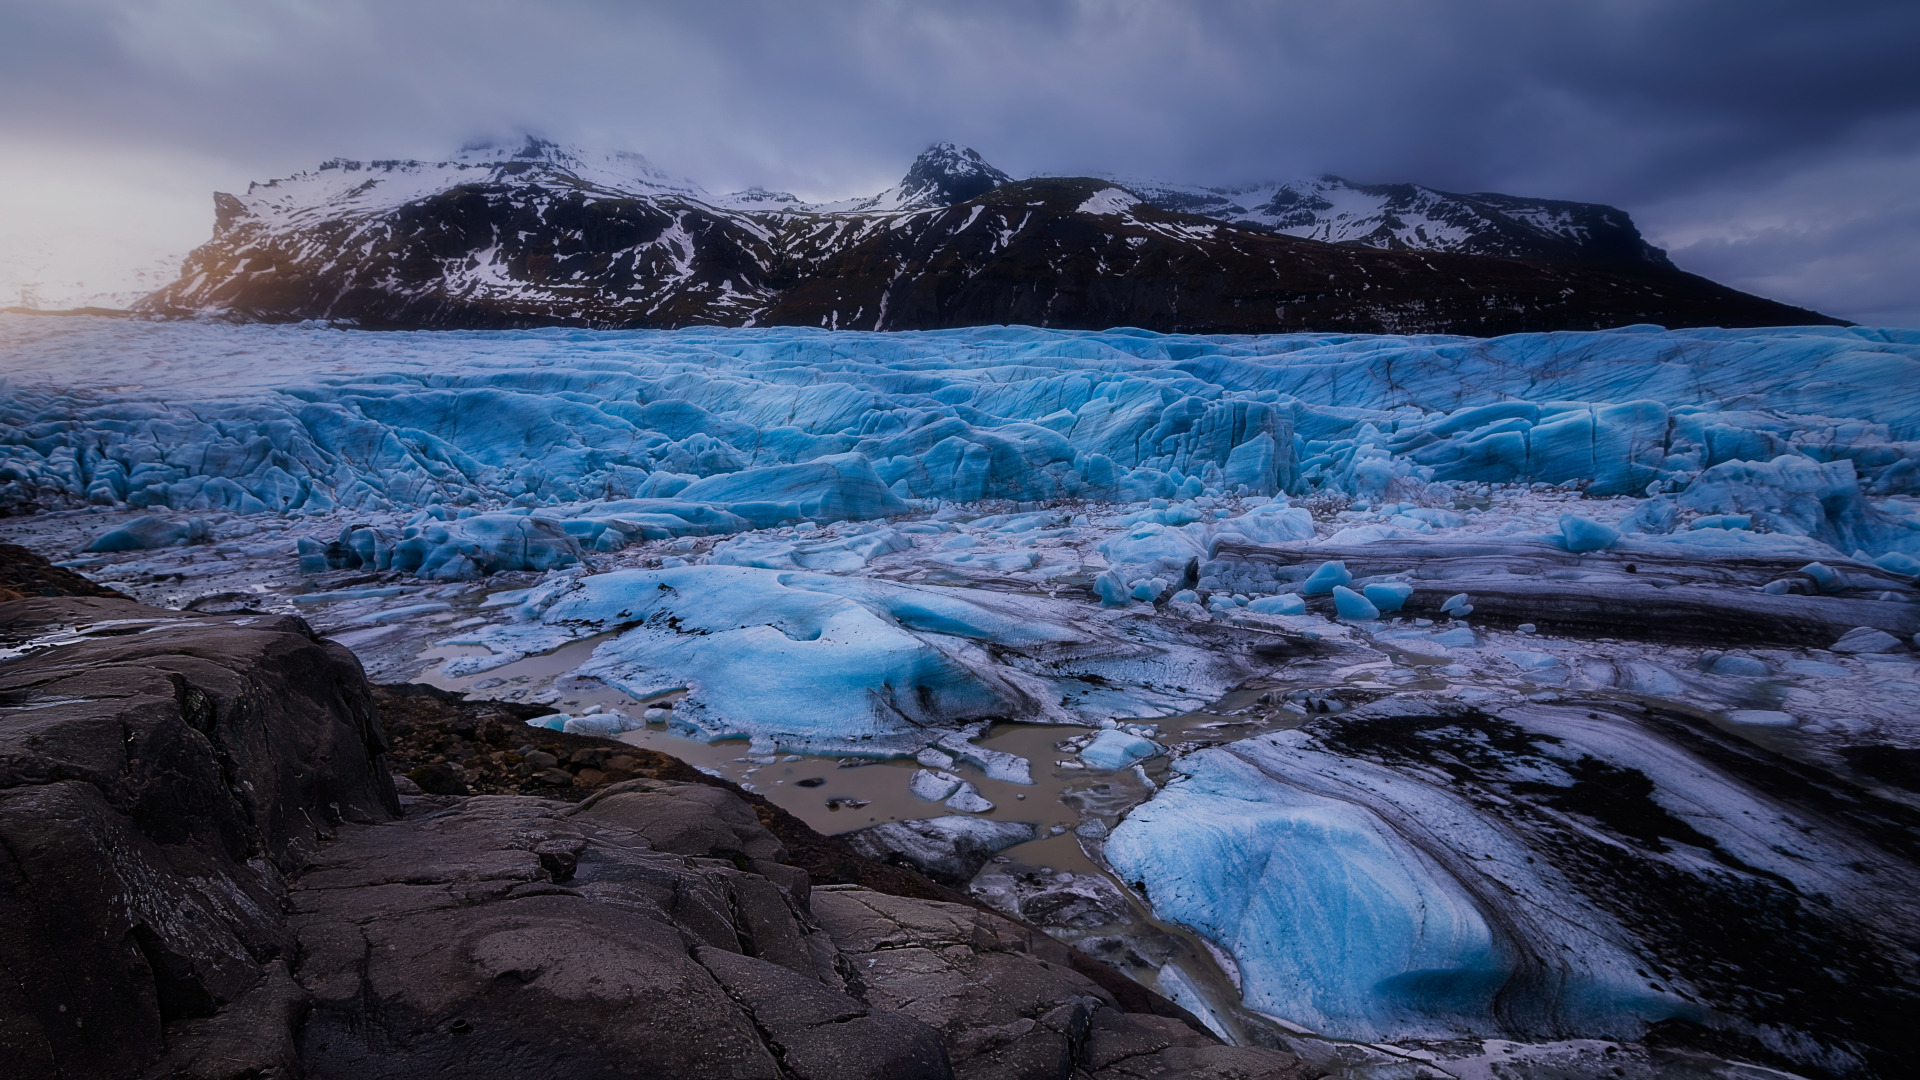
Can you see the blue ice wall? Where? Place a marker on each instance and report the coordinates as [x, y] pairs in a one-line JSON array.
[[782, 424]]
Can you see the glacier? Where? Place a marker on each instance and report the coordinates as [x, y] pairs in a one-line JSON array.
[[1416, 681], [783, 425]]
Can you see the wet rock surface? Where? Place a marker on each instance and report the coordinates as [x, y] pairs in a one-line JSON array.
[[211, 874]]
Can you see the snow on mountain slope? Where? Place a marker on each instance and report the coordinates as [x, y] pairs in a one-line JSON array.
[[342, 187], [943, 175], [1415, 218]]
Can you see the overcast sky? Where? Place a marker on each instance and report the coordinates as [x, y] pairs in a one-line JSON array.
[[1770, 144]]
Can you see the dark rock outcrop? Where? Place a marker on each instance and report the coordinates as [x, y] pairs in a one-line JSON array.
[[160, 779], [209, 874], [23, 574]]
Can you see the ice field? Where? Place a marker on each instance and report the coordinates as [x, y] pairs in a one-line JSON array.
[[1434, 688]]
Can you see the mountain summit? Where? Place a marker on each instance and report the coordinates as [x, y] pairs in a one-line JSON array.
[[945, 174], [539, 234]]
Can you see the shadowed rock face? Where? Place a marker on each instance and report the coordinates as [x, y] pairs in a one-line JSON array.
[[210, 874], [22, 574], [159, 779]]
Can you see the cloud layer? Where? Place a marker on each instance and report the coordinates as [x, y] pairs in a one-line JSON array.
[[1772, 143]]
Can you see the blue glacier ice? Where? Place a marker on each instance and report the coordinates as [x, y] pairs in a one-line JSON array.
[[1284, 604], [884, 545], [803, 661], [776, 425], [606, 724], [145, 533], [1352, 605], [846, 552], [1327, 577], [1743, 666], [1584, 534], [1336, 923], [1371, 902], [462, 549], [1897, 562], [1388, 595], [786, 655]]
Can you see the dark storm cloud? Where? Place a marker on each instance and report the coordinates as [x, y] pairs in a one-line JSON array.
[[1638, 102]]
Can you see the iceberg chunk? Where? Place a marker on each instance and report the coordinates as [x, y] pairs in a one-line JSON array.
[[1865, 639], [951, 850], [1274, 523], [968, 800], [1325, 578], [797, 657], [1388, 595], [1899, 562], [146, 533], [933, 785], [1285, 604], [1325, 907], [605, 724], [1722, 521], [1581, 534], [1117, 749], [1352, 605], [1008, 768], [465, 549], [1798, 496], [1826, 577], [1112, 589], [776, 553], [1742, 666]]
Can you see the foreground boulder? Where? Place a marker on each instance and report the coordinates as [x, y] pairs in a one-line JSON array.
[[212, 875], [160, 779]]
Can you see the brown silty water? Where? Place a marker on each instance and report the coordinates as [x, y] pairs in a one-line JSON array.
[[1073, 805]]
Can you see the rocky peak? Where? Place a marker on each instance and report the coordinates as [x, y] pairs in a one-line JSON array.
[[945, 174], [531, 148]]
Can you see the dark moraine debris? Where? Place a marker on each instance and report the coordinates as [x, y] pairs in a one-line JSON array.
[[1706, 600]]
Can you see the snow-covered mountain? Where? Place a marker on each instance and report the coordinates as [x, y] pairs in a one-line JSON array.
[[541, 234], [1409, 217]]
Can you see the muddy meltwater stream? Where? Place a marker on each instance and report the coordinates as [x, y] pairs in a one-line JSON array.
[[1074, 807]]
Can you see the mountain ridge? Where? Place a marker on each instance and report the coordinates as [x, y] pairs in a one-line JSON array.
[[548, 235]]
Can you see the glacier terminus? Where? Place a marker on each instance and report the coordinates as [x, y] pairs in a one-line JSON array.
[[1425, 705]]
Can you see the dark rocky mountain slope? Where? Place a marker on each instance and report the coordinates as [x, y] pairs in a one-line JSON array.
[[546, 236]]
